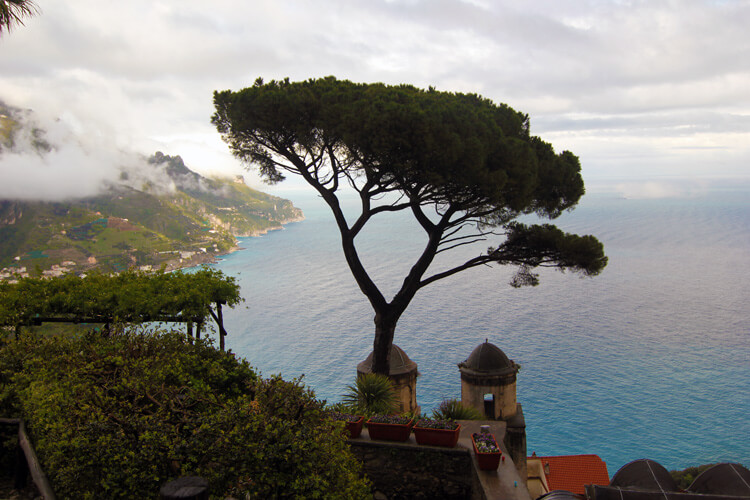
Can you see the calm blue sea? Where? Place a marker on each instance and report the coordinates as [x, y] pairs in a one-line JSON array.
[[649, 360]]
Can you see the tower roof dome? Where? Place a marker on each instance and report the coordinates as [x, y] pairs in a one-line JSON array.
[[400, 362], [488, 359], [644, 474]]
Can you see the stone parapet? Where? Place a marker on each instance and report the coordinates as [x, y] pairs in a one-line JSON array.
[[409, 470]]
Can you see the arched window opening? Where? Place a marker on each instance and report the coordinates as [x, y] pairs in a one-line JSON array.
[[489, 406]]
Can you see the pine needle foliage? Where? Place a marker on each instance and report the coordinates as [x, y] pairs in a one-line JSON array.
[[463, 166], [13, 12]]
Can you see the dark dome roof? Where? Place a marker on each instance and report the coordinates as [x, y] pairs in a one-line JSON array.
[[723, 479], [560, 495], [644, 474], [488, 358], [400, 362]]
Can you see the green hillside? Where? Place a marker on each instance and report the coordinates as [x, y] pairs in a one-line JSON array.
[[192, 222], [127, 227]]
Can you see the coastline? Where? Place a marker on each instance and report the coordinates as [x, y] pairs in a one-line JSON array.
[[183, 258], [200, 259], [261, 232]]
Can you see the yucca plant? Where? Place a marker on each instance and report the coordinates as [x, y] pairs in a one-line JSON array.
[[453, 409], [370, 394]]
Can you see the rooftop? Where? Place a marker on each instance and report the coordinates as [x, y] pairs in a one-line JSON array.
[[573, 472], [648, 480], [644, 474], [400, 362], [488, 359]]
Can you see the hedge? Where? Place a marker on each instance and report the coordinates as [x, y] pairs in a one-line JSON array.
[[118, 417]]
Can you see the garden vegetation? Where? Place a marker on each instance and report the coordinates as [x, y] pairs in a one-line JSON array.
[[118, 417], [129, 297]]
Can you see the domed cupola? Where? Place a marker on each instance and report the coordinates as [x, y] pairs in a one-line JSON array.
[[488, 359], [403, 373], [488, 382], [400, 362]]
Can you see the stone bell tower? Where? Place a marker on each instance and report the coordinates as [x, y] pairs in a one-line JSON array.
[[488, 384], [403, 373]]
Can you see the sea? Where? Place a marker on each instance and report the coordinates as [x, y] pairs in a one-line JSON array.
[[650, 359]]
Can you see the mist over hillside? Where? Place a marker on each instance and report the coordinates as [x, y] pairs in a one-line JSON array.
[[69, 204]]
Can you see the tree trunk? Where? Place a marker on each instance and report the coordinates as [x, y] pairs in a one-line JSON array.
[[220, 321], [381, 347]]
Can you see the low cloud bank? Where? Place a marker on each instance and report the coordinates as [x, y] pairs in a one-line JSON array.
[[55, 159]]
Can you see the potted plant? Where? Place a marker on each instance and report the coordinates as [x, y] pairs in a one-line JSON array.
[[353, 422], [437, 432], [389, 427], [487, 451]]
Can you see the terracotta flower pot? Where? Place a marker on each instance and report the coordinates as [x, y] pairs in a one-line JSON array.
[[389, 432], [437, 437], [487, 461], [355, 428]]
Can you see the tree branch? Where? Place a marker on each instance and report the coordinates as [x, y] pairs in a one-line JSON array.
[[476, 240], [476, 261]]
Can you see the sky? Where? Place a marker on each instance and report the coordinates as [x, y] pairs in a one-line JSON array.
[[650, 94]]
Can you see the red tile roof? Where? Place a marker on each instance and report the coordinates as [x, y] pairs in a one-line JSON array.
[[573, 472]]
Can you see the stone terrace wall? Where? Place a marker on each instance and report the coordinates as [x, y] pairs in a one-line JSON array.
[[415, 472]]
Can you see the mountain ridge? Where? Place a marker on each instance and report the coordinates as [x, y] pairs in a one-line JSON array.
[[160, 213]]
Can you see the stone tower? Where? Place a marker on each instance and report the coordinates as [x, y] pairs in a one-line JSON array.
[[403, 373], [488, 384]]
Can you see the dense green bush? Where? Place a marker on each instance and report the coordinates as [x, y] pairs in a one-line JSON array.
[[118, 417]]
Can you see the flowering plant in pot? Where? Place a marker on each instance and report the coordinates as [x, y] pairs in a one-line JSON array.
[[437, 432], [353, 422], [390, 427], [487, 451]]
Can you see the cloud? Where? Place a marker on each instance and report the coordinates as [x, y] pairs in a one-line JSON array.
[[54, 160], [62, 158], [609, 80]]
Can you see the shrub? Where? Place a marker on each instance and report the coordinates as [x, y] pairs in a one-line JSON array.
[[452, 409], [118, 417], [371, 393]]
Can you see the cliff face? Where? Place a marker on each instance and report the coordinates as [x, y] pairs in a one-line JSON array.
[[10, 212], [192, 222]]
